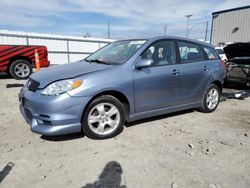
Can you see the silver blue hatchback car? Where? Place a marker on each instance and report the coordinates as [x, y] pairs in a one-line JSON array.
[[124, 81]]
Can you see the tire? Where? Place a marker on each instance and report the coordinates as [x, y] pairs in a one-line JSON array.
[[210, 105], [20, 69], [100, 114]]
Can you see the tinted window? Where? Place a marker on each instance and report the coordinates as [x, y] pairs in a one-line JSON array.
[[189, 52], [162, 53], [211, 53]]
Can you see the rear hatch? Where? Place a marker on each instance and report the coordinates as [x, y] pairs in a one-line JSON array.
[[238, 51], [238, 61]]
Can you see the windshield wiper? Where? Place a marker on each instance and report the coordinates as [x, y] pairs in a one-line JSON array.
[[96, 61]]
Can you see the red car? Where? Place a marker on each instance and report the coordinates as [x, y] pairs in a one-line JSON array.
[[19, 60]]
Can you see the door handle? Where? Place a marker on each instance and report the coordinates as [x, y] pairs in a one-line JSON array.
[[175, 72], [206, 68]]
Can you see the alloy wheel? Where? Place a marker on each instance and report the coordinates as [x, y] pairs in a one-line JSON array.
[[22, 70], [104, 118], [212, 99]]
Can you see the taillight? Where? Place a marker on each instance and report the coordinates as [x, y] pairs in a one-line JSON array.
[[224, 65]]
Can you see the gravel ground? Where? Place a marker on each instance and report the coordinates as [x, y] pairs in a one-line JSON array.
[[186, 149]]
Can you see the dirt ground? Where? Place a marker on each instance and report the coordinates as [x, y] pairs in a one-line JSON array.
[[187, 149]]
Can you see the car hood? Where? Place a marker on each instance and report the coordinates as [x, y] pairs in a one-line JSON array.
[[70, 70], [237, 50]]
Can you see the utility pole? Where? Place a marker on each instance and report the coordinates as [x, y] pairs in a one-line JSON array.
[[108, 29], [206, 30], [187, 30], [165, 29]]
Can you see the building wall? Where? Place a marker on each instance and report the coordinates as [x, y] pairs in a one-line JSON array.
[[225, 22], [61, 49]]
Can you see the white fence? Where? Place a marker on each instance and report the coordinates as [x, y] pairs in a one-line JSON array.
[[61, 49]]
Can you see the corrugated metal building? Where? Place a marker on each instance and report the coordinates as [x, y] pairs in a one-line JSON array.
[[61, 49], [231, 25]]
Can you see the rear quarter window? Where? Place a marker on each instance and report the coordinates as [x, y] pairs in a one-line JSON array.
[[189, 52], [211, 53]]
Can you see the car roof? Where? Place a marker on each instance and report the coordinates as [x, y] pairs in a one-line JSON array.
[[152, 39]]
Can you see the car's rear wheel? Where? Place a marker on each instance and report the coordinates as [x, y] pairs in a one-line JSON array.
[[103, 118], [211, 99], [20, 69]]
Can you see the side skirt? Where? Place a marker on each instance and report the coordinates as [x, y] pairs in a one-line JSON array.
[[162, 111]]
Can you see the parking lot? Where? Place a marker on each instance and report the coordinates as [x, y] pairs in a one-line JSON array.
[[186, 149]]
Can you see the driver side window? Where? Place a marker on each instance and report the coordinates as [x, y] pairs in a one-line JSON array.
[[162, 53]]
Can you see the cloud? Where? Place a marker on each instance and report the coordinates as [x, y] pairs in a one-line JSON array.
[[160, 11], [141, 16]]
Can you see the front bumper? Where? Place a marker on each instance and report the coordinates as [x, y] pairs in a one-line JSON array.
[[52, 115]]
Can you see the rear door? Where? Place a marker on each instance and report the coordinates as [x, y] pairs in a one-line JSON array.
[[158, 86], [195, 71]]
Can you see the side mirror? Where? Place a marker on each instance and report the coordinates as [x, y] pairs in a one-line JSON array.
[[143, 63]]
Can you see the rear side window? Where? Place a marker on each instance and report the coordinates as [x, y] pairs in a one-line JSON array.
[[211, 53], [189, 52]]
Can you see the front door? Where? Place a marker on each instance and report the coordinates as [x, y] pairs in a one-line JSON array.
[[157, 86]]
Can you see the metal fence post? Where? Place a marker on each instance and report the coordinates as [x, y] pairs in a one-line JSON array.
[[27, 40], [68, 51]]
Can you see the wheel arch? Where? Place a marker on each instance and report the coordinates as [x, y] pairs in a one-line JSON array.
[[118, 95], [218, 83], [13, 59]]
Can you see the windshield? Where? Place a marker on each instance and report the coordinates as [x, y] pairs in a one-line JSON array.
[[220, 51], [116, 53]]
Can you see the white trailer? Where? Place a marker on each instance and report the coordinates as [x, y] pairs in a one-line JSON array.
[[61, 49]]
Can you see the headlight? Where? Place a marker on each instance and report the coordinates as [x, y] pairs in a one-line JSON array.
[[61, 86]]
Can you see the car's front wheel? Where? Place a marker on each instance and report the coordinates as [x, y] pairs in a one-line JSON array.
[[103, 118], [211, 99]]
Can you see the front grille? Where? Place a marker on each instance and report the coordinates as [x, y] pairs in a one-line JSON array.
[[33, 85]]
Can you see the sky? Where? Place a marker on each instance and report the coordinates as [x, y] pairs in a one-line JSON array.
[[128, 18]]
